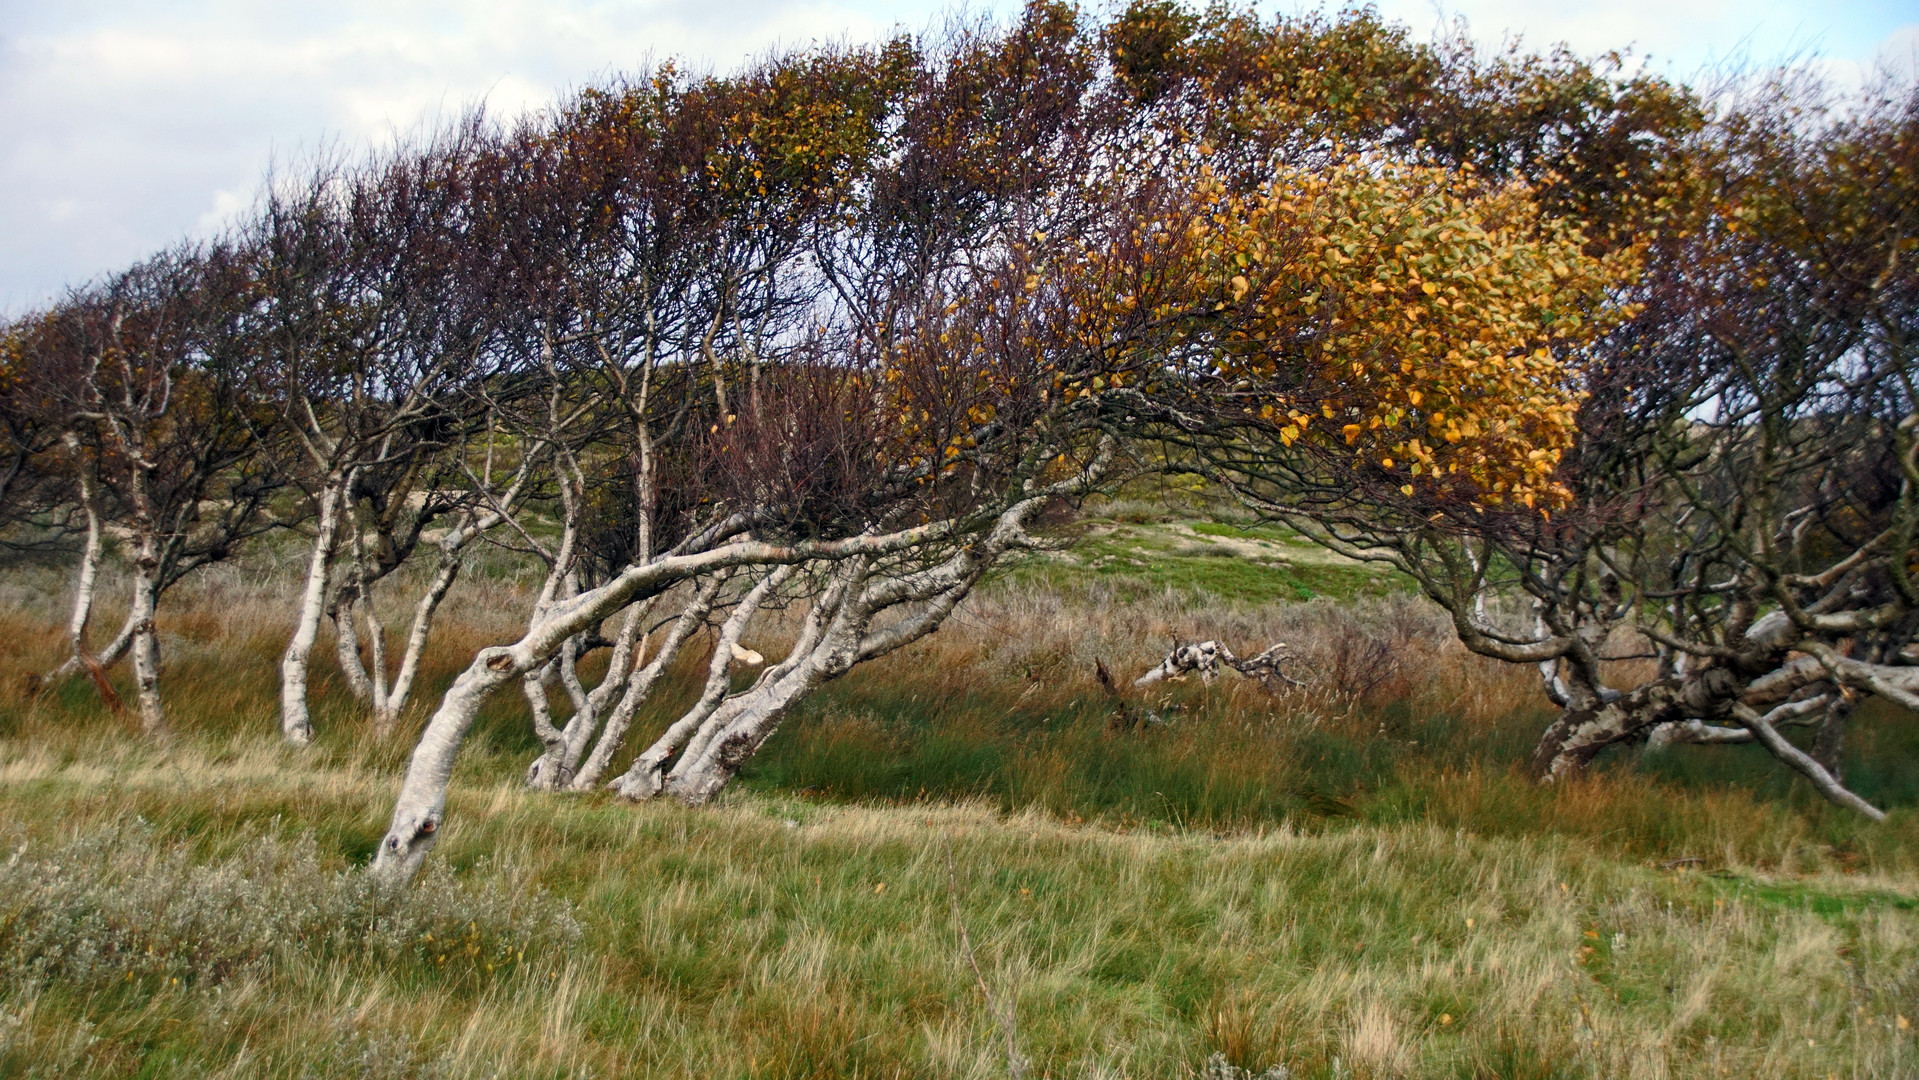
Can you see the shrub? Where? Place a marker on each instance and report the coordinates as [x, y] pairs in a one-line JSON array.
[[122, 907]]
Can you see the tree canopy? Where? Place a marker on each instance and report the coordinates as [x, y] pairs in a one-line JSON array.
[[1603, 364]]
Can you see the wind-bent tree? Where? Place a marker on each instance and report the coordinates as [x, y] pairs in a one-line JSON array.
[[1040, 253], [50, 477], [155, 372], [372, 322], [1728, 484], [826, 336], [659, 241], [883, 456]]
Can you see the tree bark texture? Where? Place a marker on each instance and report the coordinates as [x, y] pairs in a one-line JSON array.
[[639, 685], [296, 724], [421, 806], [146, 651]]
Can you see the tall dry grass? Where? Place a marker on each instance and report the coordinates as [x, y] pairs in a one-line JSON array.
[[1397, 722], [779, 937], [1349, 880]]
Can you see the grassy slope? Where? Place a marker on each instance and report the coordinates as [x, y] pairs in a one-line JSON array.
[[1140, 549], [784, 937], [1282, 880]]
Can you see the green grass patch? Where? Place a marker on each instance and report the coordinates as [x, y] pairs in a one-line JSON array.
[[785, 936], [1135, 561]]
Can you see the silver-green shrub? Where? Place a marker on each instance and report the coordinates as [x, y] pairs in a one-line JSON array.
[[121, 906]]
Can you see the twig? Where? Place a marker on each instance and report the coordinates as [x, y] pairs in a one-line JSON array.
[[1124, 714], [1003, 1010]]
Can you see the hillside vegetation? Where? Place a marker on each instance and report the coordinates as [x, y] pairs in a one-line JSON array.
[[1129, 543], [1346, 881]]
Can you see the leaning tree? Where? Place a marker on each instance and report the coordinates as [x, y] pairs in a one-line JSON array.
[[374, 317], [1033, 260], [1726, 488], [154, 376]]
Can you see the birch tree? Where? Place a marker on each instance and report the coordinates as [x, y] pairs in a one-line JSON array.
[[52, 475], [375, 322], [1724, 486], [168, 411]]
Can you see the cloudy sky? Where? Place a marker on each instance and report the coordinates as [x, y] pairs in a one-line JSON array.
[[126, 124]]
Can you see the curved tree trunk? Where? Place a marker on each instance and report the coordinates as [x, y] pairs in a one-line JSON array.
[[421, 806], [115, 651], [296, 725], [346, 642], [84, 583], [644, 778], [639, 686], [589, 707], [387, 718], [1675, 707]]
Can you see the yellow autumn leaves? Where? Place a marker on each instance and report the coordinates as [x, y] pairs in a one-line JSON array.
[[1426, 319], [1426, 324]]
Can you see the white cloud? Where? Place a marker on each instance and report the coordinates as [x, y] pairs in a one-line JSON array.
[[126, 124]]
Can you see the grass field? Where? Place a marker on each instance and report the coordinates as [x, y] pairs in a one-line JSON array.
[[1349, 881]]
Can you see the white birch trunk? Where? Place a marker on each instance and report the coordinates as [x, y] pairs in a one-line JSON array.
[[643, 778], [736, 730], [372, 688], [89, 571], [350, 599], [593, 705], [420, 809], [346, 645], [533, 687], [552, 769], [539, 774], [376, 648], [84, 584], [146, 650], [115, 651], [387, 718], [735, 734], [639, 686], [296, 725], [719, 667]]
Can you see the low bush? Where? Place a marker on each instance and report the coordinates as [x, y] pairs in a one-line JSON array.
[[116, 907]]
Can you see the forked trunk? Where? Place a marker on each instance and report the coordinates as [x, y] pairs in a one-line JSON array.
[[645, 777], [589, 707], [1675, 709], [639, 686], [420, 809], [533, 686], [1580, 733], [107, 657], [80, 656], [838, 635]]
